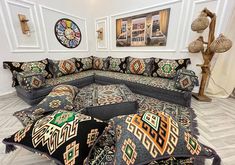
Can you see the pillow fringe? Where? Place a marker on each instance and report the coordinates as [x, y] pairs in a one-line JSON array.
[[216, 160], [10, 148]]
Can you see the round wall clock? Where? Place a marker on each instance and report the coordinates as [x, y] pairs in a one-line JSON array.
[[68, 33]]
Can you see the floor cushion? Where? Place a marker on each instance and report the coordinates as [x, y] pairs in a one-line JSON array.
[[105, 102], [65, 137], [143, 138], [61, 97]]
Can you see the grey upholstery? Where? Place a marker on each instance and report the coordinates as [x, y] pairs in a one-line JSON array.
[[167, 93]]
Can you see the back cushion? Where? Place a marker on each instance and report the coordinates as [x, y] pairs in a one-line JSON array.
[[100, 63], [63, 67], [117, 64], [83, 64], [140, 66], [167, 68], [32, 66]]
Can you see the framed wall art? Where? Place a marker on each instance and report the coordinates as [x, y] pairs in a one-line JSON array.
[[153, 28], [64, 32], [148, 29], [102, 34], [68, 33]]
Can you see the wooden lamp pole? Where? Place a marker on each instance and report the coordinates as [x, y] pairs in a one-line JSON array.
[[207, 57]]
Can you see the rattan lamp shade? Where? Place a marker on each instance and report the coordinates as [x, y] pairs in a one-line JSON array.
[[196, 46], [201, 23], [221, 44]]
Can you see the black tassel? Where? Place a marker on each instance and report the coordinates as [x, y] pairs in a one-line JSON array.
[[217, 160], [9, 148]]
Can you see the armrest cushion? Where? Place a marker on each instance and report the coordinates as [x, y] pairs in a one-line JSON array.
[[30, 80]]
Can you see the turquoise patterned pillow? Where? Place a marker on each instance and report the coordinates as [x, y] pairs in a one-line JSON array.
[[143, 138]]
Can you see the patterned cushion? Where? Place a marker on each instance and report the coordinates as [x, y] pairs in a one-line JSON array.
[[100, 63], [139, 66], [66, 137], [63, 67], [142, 138], [61, 97], [34, 66], [103, 152], [30, 80], [117, 64], [185, 80], [83, 64], [106, 101], [167, 68]]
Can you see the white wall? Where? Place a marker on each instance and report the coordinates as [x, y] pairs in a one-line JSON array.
[[184, 12], [188, 10], [78, 8]]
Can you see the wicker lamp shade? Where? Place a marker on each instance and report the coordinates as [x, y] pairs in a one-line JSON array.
[[196, 46], [221, 44], [201, 23]]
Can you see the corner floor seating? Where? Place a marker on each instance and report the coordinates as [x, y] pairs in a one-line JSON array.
[[157, 87]]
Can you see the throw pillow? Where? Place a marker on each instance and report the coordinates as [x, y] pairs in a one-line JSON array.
[[142, 138], [140, 66], [100, 63], [117, 64], [167, 68], [185, 80], [103, 152], [30, 80], [83, 64], [63, 67], [61, 97], [65, 137], [33, 66]]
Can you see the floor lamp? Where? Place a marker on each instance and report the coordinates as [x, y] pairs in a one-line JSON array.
[[208, 49]]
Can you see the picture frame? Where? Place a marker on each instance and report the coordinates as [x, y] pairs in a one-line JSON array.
[[102, 34], [172, 32], [147, 29]]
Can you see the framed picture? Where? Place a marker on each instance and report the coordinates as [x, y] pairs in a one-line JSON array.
[[102, 34], [148, 29]]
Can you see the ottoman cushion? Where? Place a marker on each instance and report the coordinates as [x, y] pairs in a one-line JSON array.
[[105, 102]]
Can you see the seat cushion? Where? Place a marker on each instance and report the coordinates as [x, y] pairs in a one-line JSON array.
[[160, 88], [77, 79], [105, 102]]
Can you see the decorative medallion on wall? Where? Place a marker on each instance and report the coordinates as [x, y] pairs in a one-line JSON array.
[[68, 33]]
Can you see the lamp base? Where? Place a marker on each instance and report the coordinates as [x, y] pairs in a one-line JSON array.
[[201, 98]]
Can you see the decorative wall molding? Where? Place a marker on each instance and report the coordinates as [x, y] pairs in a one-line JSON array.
[[149, 8], [41, 8], [14, 43], [98, 21], [185, 39]]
